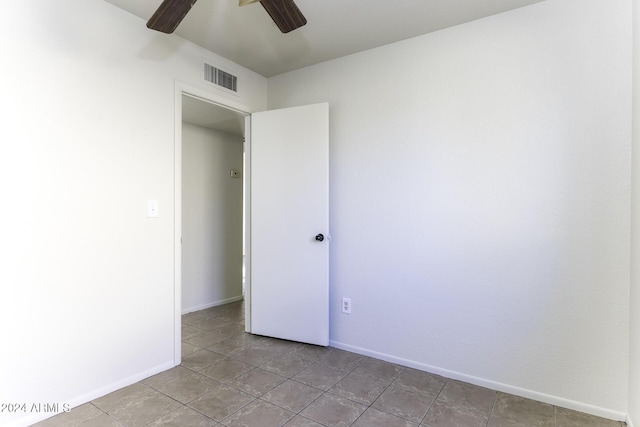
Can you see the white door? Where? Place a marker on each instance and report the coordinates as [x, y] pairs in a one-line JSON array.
[[289, 220]]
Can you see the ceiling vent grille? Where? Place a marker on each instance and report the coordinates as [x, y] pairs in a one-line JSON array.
[[220, 78]]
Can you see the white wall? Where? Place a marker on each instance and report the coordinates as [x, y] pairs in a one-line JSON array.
[[87, 136], [211, 218], [480, 200], [634, 355]]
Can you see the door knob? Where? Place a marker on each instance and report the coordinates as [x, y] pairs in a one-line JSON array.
[[319, 237]]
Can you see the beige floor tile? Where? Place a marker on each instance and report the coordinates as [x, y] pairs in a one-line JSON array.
[[188, 387], [188, 349], [404, 404], [216, 311], [194, 317], [419, 382], [72, 418], [375, 418], [226, 369], [232, 345], [292, 395], [221, 402], [319, 376], [256, 356], [136, 405], [311, 352], [362, 389], [333, 411], [443, 414], [299, 421], [468, 396], [277, 346], [166, 376], [229, 330], [378, 369], [569, 418], [257, 382], [183, 417], [189, 331], [205, 339], [258, 414], [341, 360], [201, 359], [510, 410], [211, 324], [515, 422], [287, 365], [103, 420]]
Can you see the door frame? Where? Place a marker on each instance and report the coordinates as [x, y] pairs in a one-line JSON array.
[[181, 89]]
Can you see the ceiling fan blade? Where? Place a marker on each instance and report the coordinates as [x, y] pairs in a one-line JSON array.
[[169, 15], [285, 14]]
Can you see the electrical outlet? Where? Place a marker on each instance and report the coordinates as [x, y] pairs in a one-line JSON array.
[[346, 305]]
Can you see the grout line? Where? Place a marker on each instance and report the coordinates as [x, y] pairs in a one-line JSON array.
[[495, 399], [434, 400]]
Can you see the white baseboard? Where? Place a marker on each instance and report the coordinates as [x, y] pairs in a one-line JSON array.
[[211, 304], [493, 385], [92, 395], [629, 422]]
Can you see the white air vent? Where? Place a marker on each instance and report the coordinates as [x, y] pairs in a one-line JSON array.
[[220, 78]]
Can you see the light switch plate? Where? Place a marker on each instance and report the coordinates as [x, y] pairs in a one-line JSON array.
[[152, 208]]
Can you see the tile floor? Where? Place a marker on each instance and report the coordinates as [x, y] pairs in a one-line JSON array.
[[230, 378]]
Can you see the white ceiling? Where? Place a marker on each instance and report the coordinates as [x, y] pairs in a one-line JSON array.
[[247, 36]]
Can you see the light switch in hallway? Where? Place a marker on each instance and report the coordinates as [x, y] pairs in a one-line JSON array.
[[152, 208]]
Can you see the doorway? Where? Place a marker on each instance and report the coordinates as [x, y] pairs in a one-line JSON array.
[[212, 226], [302, 222], [209, 215]]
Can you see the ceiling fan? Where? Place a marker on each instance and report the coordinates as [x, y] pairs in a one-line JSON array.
[[285, 14]]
